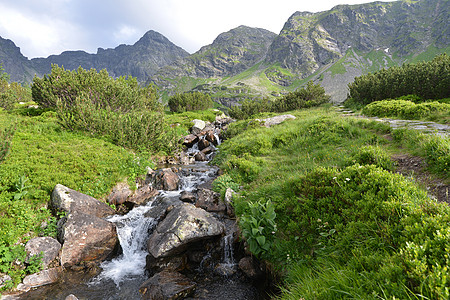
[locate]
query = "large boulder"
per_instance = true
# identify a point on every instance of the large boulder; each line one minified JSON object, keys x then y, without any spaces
{"x":163,"y":179}
{"x":49,"y":247}
{"x":67,"y":200}
{"x":183,"y":225}
{"x":87,"y":239}
{"x":167,"y":285}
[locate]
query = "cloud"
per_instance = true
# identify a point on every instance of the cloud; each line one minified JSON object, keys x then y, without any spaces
{"x":47,"y":27}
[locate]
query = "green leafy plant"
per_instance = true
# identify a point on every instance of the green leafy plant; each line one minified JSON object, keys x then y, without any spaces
{"x":372,"y":155}
{"x":259,"y":227}
{"x":190,"y":102}
{"x":223,"y":182}
{"x":21,"y":187}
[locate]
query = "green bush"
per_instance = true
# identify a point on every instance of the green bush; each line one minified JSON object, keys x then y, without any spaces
{"x":310,"y":96}
{"x":405,"y":109}
{"x":6,"y":136}
{"x":427,"y":80}
{"x":372,"y":155}
{"x":119,"y":95}
{"x":223,"y":182}
{"x":189,"y":102}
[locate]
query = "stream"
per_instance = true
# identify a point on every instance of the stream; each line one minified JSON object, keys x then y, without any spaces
{"x":122,"y":276}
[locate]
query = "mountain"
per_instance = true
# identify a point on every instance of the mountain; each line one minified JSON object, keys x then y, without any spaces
{"x":140,"y":60}
{"x":330,"y":47}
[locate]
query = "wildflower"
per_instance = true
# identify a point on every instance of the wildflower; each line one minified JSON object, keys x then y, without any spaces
{"x":348,"y":179}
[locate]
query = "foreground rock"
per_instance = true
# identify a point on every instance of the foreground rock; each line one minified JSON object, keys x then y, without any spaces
{"x":210,"y":201}
{"x":44,"y":277}
{"x":47,"y":246}
{"x":87,"y":239}
{"x":167,"y":285}
{"x":67,"y":200}
{"x":184,"y":224}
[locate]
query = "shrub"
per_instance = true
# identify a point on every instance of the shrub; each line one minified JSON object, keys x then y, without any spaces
{"x":121,"y":94}
{"x":405,"y":109}
{"x":6,"y":136}
{"x":312,"y":95}
{"x":223,"y":182}
{"x":189,"y":102}
{"x":427,"y":80}
{"x":372,"y":155}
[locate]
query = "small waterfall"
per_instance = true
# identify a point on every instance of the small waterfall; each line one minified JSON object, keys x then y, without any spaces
{"x":132,"y":230}
{"x":228,"y":253}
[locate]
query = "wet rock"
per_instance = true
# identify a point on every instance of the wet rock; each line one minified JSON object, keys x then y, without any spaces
{"x":186,"y":196}
{"x":210,"y":201}
{"x":203,"y":143}
{"x":44,"y":277}
{"x":48,"y":246}
{"x":250,"y":267}
{"x":190,"y":140}
{"x":167,"y":285}
{"x":142,"y":195}
{"x":223,"y":269}
{"x":174,"y":263}
{"x":207,"y":150}
{"x":183,"y":225}
{"x":163,"y":179}
{"x":67,"y":200}
{"x":210,"y":137}
{"x":161,"y":207}
{"x":200,"y":156}
{"x":198,"y":126}
{"x":119,"y":194}
{"x":87,"y":239}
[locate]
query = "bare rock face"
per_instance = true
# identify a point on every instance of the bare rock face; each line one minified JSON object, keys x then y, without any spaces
{"x":67,"y":200}
{"x":87,"y":239}
{"x":167,"y":285}
{"x":184,"y":224}
{"x":210,"y":201}
{"x":163,"y":179}
{"x":48,"y":246}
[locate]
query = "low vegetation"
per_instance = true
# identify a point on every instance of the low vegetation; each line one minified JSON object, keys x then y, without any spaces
{"x":310,"y":96}
{"x":344,"y":226}
{"x":190,"y":101}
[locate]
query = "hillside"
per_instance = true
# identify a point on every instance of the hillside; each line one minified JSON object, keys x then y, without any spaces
{"x":330,"y":47}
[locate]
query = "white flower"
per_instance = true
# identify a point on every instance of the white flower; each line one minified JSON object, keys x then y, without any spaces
{"x":348,"y":179}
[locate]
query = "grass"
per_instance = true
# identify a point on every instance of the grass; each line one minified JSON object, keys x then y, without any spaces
{"x":42,"y":155}
{"x":347,"y":227}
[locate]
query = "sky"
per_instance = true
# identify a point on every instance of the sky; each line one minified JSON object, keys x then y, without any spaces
{"x":45,"y":27}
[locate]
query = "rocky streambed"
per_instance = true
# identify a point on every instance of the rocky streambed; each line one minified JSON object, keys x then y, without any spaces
{"x":175,"y":238}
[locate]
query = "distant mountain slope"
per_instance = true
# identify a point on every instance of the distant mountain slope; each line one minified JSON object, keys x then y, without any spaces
{"x":330,"y":47}
{"x":140,"y":60}
{"x":14,"y":63}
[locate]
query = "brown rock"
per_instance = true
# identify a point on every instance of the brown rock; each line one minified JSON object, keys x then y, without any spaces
{"x":200,"y":156}
{"x":119,"y":194}
{"x":203,"y":143}
{"x":143,"y":195}
{"x":163,"y":179}
{"x":87,"y":239}
{"x":186,"y":196}
{"x":190,"y":140}
{"x":43,"y":278}
{"x":250,"y":267}
{"x":210,"y":137}
{"x":167,"y":285}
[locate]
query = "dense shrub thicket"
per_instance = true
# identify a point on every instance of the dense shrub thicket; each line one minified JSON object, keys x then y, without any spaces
{"x":190,"y":101}
{"x":312,"y":95}
{"x":119,"y":109}
{"x":11,"y":93}
{"x":405,"y":109}
{"x":428,"y":80}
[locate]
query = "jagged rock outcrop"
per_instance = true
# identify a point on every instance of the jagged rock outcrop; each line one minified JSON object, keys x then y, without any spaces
{"x":140,"y":60}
